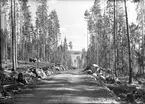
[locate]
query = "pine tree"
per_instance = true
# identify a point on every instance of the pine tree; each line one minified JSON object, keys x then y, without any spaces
{"x":0,"y":41}
{"x":13,"y":34}
{"x":42,"y":18}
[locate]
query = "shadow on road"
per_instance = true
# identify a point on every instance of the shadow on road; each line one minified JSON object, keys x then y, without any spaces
{"x":65,"y":89}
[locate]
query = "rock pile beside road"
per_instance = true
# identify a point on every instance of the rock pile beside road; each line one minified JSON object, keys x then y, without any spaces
{"x":134,"y":92}
{"x":12,"y":82}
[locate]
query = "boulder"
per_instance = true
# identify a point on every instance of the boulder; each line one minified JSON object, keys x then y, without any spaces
{"x":63,"y":68}
{"x":57,"y":68}
{"x":29,"y":74}
{"x":34,"y":71}
{"x":89,"y":72}
{"x":29,"y":80}
{"x":48,"y":73}
{"x":87,"y":68}
{"x":41,"y":73}
{"x":95,"y":75}
{"x":110,"y":80}
{"x":95,"y":65}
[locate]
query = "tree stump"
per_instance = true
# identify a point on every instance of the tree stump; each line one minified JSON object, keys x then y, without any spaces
{"x":21,"y":78}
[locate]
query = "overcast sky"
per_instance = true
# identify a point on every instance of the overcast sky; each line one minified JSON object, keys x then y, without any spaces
{"x":71,"y":17}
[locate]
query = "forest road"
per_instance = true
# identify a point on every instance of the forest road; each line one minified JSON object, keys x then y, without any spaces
{"x":69,"y":87}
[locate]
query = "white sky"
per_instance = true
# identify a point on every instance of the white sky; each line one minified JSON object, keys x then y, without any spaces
{"x":71,"y":17}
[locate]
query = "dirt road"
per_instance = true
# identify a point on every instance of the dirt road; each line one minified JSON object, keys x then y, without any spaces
{"x":65,"y":88}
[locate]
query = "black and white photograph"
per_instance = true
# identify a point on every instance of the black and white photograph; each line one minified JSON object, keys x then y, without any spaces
{"x":72,"y":51}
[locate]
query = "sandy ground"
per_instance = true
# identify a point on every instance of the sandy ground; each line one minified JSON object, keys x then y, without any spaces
{"x":70,"y":87}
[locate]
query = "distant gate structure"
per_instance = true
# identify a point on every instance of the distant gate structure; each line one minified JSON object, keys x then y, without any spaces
{"x":76,"y":59}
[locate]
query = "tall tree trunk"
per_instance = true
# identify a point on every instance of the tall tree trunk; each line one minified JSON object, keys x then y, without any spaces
{"x":143,"y":37}
{"x":95,"y":52}
{"x":23,"y":47}
{"x":13,"y":36}
{"x":6,"y":43}
{"x":114,"y":37}
{"x":6,"y":51}
{"x":21,"y":36}
{"x":26,"y":48}
{"x":56,"y":45}
{"x":109,"y":47}
{"x":15,"y":33}
{"x":43,"y":37}
{"x":117,"y":33}
{"x":117,"y":49}
{"x":43,"y":50}
{"x":128,"y":37}
{"x":122,"y":56}
{"x":97,"y":38}
{"x":109,"y":51}
{"x":37,"y":48}
{"x":1,"y":70}
{"x":87,"y":58}
{"x":11,"y":48}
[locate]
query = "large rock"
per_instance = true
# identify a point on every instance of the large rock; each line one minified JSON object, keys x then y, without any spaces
{"x":29,"y":74}
{"x":87,"y":68}
{"x":110,"y":80}
{"x":48,"y":72}
{"x":34,"y":71}
{"x":89,"y":72}
{"x":63,"y":68}
{"x":41,"y":73}
{"x":57,"y":68}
